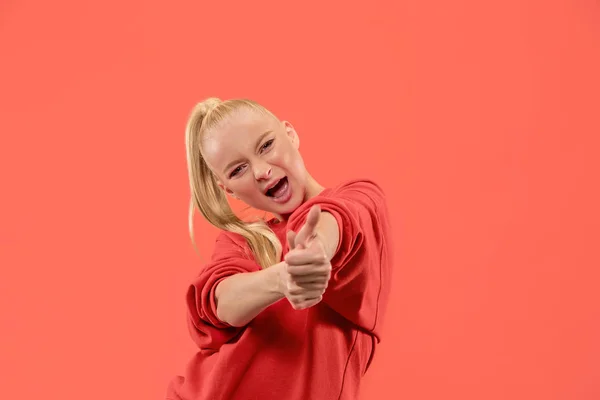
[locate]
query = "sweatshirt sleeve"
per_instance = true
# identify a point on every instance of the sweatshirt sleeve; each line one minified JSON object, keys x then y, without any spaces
{"x":361,"y":267}
{"x":206,"y":329}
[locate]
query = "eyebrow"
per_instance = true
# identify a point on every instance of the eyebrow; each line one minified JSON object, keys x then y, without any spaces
{"x":260,"y":139}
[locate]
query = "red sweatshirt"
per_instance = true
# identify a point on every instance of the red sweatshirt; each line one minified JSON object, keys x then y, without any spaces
{"x":319,"y":353}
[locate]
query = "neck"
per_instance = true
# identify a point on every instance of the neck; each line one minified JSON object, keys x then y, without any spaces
{"x":313,"y":188}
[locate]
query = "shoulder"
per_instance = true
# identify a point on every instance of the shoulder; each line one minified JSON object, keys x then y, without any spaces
{"x":356,"y":195}
{"x":231,"y":239}
{"x":227,"y":237}
{"x":360,"y":187}
{"x":228,"y":243}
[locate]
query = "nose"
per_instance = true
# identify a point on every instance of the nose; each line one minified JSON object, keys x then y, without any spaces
{"x":262,"y":171}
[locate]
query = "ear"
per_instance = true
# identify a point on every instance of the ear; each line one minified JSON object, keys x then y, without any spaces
{"x":226,"y":190}
{"x":291,"y":134}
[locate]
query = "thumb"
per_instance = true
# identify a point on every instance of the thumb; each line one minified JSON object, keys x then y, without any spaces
{"x":307,"y":232}
{"x":291,"y":237}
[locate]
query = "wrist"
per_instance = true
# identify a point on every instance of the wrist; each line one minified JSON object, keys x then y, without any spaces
{"x":275,"y":279}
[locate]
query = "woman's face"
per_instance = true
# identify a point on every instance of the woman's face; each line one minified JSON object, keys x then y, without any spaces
{"x":255,"y":157}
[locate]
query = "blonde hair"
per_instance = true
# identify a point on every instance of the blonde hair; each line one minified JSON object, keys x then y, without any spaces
{"x":208,"y":197}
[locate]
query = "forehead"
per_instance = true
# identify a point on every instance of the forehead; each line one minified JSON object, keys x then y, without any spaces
{"x":235,"y":136}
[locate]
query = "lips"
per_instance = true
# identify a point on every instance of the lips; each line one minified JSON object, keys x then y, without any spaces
{"x":271,"y":186}
{"x":280,"y":193}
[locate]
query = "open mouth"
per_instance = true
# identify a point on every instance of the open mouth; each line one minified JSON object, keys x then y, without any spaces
{"x":279,"y":189}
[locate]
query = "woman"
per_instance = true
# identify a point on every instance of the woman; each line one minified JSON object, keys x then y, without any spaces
{"x":288,"y":308}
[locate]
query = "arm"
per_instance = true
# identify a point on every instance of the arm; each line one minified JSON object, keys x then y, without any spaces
{"x":208,"y":326}
{"x":232,"y":289}
{"x":360,"y":250}
{"x":241,"y":297}
{"x":328,"y":231}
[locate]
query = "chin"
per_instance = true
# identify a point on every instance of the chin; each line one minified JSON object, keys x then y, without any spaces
{"x":291,"y":206}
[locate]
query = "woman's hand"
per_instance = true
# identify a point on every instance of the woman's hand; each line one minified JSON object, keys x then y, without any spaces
{"x":307,"y":268}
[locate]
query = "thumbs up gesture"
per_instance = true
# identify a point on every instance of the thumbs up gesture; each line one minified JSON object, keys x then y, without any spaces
{"x":308,"y":268}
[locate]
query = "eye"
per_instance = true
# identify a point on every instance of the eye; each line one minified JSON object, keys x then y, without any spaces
{"x":236,"y":171}
{"x":267,"y":145}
